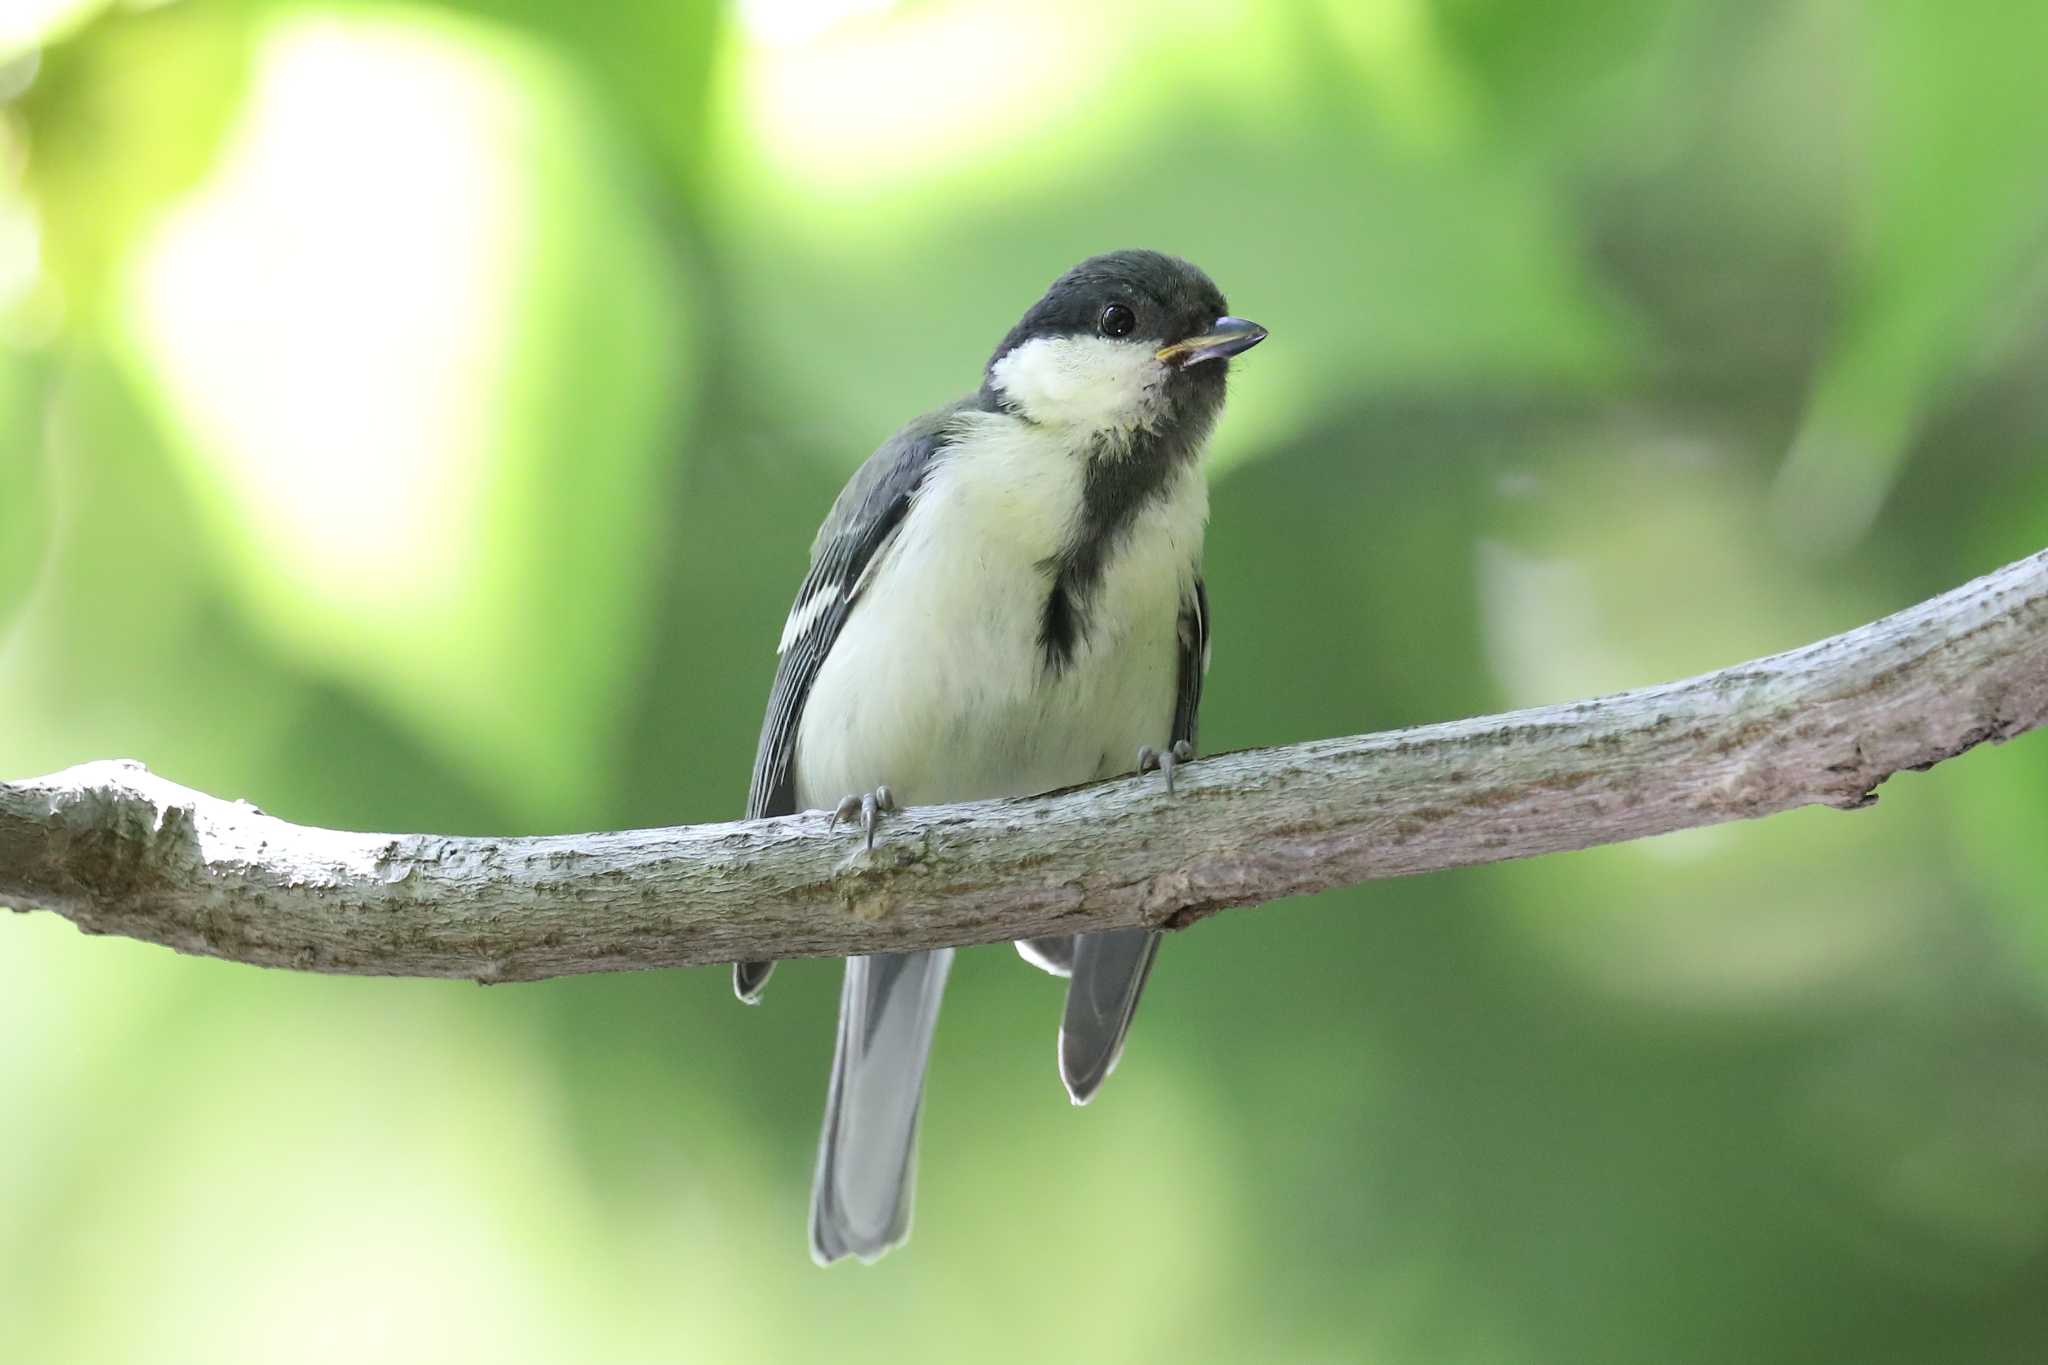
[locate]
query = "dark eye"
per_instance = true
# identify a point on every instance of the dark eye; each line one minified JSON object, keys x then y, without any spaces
{"x":1117,"y":321}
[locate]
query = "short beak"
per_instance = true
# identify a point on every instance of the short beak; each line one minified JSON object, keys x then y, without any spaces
{"x":1225,"y":338}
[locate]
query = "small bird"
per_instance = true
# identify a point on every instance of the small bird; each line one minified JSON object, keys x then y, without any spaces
{"x":1006,"y":598}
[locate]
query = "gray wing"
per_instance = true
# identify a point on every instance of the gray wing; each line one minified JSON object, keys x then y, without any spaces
{"x":1194,"y":663}
{"x":867,"y":513}
{"x":865,"y":516}
{"x":1108,"y":971}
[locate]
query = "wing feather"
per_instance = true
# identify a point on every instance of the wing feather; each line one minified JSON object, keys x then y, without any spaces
{"x":1194,"y":661}
{"x":865,"y":518}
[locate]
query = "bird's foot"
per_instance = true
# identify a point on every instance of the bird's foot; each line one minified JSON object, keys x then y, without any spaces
{"x":1166,"y":760}
{"x":867,"y":807}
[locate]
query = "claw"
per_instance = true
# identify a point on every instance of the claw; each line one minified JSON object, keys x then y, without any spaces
{"x":875,"y":804}
{"x":848,"y":807}
{"x":1151,"y":759}
{"x":868,"y":809}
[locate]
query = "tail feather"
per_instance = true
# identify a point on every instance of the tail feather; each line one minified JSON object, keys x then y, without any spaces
{"x":888,"y":1008}
{"x":748,"y":978}
{"x":1102,"y":997}
{"x":1054,"y":954}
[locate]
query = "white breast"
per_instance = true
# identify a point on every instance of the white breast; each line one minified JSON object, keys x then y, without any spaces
{"x":937,"y":685}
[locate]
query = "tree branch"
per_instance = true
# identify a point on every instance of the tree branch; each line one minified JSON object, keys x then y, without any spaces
{"x":120,"y":851}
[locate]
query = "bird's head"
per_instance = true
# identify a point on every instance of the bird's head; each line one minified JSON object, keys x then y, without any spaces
{"x":1123,"y":342}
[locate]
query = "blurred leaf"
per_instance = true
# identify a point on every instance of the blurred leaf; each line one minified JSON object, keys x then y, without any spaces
{"x":123,"y":117}
{"x":1377,"y":263}
{"x":122,"y":650}
{"x":26,"y":24}
{"x":423,"y":354}
{"x":1542,"y":63}
{"x":25,"y":509}
{"x":646,"y":63}
{"x":1950,"y":211}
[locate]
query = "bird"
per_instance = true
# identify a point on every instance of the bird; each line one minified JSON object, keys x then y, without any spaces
{"x":1006,"y":598}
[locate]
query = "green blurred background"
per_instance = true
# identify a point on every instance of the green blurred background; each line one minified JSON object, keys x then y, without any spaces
{"x":414,"y":416}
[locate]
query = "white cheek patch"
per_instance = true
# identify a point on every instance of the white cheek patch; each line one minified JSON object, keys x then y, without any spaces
{"x":1082,"y":381}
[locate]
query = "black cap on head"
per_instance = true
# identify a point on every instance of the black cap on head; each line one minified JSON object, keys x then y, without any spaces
{"x":1146,"y":295}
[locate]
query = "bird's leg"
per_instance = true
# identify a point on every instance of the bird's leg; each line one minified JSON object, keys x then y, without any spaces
{"x":1165,"y":761}
{"x":868,"y":807}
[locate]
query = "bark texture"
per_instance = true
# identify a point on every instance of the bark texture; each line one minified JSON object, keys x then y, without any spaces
{"x":120,"y":851}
